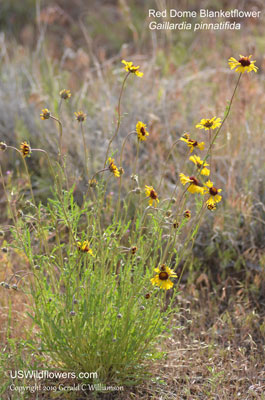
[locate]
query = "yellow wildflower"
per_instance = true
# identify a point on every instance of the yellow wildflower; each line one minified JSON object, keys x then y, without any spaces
{"x":85,"y":247}
{"x":162,"y":278}
{"x":200,"y":164}
{"x":141,"y":131}
{"x":213,"y":191}
{"x":92,"y":183}
{"x":209,"y":123}
{"x":132,"y":68}
{"x":187,"y":214}
{"x":151,"y":193}
{"x":45,"y":114}
{"x":65,"y":94}
{"x":25,"y":149}
{"x":211,"y":207}
{"x":133,"y":249}
{"x":192,"y":143}
{"x":113,"y":168}
{"x":194,"y":184}
{"x":243,"y":64}
{"x":80,"y":116}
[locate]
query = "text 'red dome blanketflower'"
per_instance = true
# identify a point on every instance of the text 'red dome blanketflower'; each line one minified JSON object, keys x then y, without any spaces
{"x":194,"y":184}
{"x":244,"y":64}
{"x":132,"y":68}
{"x":200,"y":164}
{"x":213,"y":191}
{"x":209,"y":123}
{"x":162,"y":278}
{"x":151,"y":193}
{"x":25,"y":149}
{"x":141,"y":131}
{"x":113,"y":168}
{"x":192,"y":143}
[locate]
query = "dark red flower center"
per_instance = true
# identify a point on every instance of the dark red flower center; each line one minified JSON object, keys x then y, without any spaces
{"x":163,"y":276}
{"x":208,"y":124}
{"x":194,"y":180}
{"x":193,"y":142}
{"x":153,"y":194}
{"x":187,"y":214}
{"x":244,"y":61}
{"x":213,"y":191}
{"x":142,"y":130}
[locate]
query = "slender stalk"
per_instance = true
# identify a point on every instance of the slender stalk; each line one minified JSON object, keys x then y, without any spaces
{"x":60,"y":138}
{"x":120,"y":182}
{"x":119,"y":119}
{"x":137,"y":157}
{"x":169,"y":153}
{"x":85,"y":149}
{"x":9,"y":205}
{"x":93,"y":177}
{"x":60,"y":105}
{"x":190,"y":233}
{"x":59,"y":191}
{"x":210,"y":147}
{"x":123,"y":145}
{"x":29,"y":181}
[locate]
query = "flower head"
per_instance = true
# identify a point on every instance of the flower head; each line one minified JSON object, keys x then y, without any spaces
{"x":192,"y":143}
{"x":25,"y":149}
{"x":132,"y":68}
{"x":187,"y":214}
{"x":45,"y":114}
{"x":84,"y":246}
{"x":121,"y":171}
{"x":194,"y":184}
{"x":200,"y":165}
{"x":162,"y":278}
{"x":113,"y":168}
{"x":243,"y":64}
{"x":80,"y":116}
{"x":141,"y":131}
{"x":133,"y":249}
{"x":65,"y":94}
{"x":209,"y":123}
{"x":213,"y":192}
{"x":3,"y":146}
{"x":151,"y":193}
{"x":211,"y":207}
{"x":92,"y":183}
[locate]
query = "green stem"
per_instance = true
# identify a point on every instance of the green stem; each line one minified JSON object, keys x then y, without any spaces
{"x":85,"y":149}
{"x":60,"y":137}
{"x":119,"y":119}
{"x":170,"y":151}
